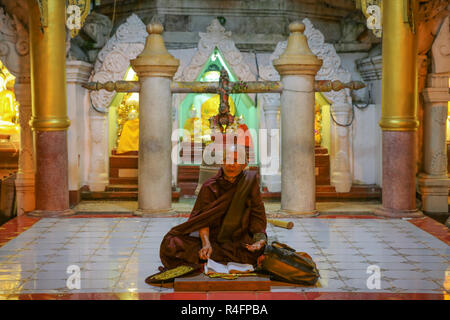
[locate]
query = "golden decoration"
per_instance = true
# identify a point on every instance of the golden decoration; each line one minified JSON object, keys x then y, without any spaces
{"x":230,"y":276}
{"x":399,"y":85}
{"x":128,"y":108}
{"x":43,"y":10}
{"x":9,"y":107}
{"x":48,"y":57}
{"x":317,"y":124}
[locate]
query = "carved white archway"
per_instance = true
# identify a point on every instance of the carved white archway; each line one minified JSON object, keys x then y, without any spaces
{"x":113,"y":60}
{"x":340,"y":102}
{"x":331,"y":67}
{"x":216,"y":36}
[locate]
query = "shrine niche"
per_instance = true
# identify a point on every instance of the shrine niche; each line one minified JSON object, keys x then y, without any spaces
{"x":128,"y":121}
{"x":9,"y":123}
{"x":195,"y":110}
{"x":9,"y":107}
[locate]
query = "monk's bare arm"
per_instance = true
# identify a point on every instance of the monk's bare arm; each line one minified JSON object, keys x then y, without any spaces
{"x":204,"y":235}
{"x":206,"y":250}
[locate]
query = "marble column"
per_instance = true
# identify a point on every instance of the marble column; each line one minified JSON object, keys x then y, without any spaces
{"x":49,"y":108}
{"x":155,"y":67}
{"x":25,"y":176}
{"x":77,"y":73}
{"x":98,"y":177}
{"x":271,"y":106}
{"x":399,"y":113}
{"x":297,"y":67}
{"x":434,"y":182}
{"x":341,"y":177}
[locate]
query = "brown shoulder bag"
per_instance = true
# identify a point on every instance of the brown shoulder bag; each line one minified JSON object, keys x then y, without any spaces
{"x":284,"y":264}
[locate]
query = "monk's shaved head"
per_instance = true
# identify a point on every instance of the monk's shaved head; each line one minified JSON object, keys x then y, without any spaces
{"x":235,"y":160}
{"x":233,"y":153}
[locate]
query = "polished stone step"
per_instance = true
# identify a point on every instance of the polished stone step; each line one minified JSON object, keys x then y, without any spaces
{"x":323,"y":193}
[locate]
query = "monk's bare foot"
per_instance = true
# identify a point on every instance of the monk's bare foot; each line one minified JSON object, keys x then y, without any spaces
{"x":162,"y":269}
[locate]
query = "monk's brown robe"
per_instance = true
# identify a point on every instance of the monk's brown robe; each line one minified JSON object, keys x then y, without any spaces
{"x":235,"y":215}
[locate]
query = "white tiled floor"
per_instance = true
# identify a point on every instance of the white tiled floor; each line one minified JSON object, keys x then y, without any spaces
{"x":117,"y":254}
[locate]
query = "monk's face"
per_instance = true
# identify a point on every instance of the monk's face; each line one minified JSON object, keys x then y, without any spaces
{"x":233,"y":168}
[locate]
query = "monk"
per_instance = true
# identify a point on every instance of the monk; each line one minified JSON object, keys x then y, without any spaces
{"x":227,"y":223}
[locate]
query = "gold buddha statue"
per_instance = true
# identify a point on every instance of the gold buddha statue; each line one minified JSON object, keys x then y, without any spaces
{"x":128,"y":124}
{"x":193,"y":125}
{"x":317,"y":125}
{"x":9,"y":107}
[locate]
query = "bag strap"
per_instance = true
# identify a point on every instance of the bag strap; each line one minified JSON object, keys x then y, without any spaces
{"x":277,"y":244}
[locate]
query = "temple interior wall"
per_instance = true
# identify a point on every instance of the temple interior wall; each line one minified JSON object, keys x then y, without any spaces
{"x":256,"y":28}
{"x":255,"y":24}
{"x":365,"y":133}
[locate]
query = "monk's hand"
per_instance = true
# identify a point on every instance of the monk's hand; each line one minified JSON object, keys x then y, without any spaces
{"x":256,"y":246}
{"x":205,"y":252}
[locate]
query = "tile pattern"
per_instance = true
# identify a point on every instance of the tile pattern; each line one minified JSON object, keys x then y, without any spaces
{"x":116,"y":254}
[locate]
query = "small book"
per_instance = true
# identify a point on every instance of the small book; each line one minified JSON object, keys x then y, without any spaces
{"x":212,"y":266}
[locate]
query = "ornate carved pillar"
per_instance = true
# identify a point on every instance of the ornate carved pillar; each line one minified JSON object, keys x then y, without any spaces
{"x":49,"y":120}
{"x":399,"y":111}
{"x":98,"y":177}
{"x":155,"y":67}
{"x":297,"y":67}
{"x":271,"y":106}
{"x":77,"y":72}
{"x":25,"y":176}
{"x":341,"y":176}
{"x":434,"y":181}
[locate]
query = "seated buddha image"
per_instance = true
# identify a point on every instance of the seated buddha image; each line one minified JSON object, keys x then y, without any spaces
{"x":128,"y":121}
{"x":8,"y":108}
{"x":317,"y":125}
{"x":193,"y":125}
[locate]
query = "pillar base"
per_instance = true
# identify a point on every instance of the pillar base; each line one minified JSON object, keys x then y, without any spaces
{"x":51,"y":214}
{"x":300,"y":214}
{"x":434,"y":190}
{"x":392,"y":213}
{"x":153,"y":212}
{"x":25,"y":193}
